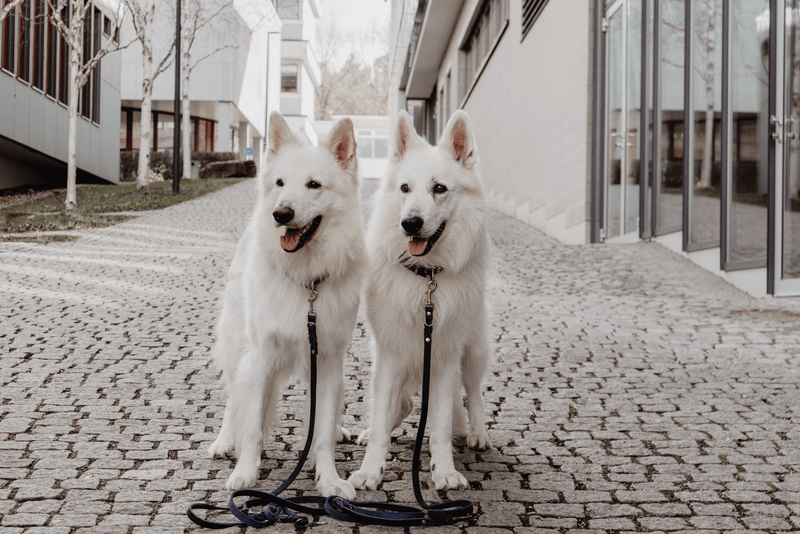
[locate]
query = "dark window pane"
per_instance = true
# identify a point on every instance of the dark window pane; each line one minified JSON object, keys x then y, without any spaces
{"x":52,"y":56}
{"x":24,"y":59}
{"x":9,"y":38}
{"x":39,"y":28}
{"x":289,"y":79}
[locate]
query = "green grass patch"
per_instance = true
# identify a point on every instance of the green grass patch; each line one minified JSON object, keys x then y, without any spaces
{"x":97,"y":205}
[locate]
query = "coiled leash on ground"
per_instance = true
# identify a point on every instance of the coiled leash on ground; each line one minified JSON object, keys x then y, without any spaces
{"x":370,"y":513}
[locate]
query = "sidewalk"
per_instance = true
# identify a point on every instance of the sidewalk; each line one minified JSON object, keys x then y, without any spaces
{"x":631,"y":390}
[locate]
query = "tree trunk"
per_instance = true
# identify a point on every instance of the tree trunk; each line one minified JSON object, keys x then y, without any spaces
{"x":145,"y":135}
{"x":708,"y":145}
{"x":72,"y":141}
{"x":145,"y":130}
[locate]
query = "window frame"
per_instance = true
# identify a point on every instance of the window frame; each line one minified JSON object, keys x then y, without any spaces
{"x":478,"y":45}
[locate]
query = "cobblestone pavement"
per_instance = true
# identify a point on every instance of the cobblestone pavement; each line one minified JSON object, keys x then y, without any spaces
{"x":632,"y":391}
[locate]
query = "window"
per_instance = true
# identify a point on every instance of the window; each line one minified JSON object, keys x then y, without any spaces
{"x":24,"y":60}
{"x":63,"y":56}
{"x":106,"y":26}
{"x":482,"y":38}
{"x":531,"y":9}
{"x":289,"y":79}
{"x":9,"y":38}
{"x":39,"y":29}
{"x":202,"y":135}
{"x":98,"y":17}
{"x":164,"y":131}
{"x":125,"y":129}
{"x":287,"y":9}
{"x":52,"y":56}
{"x":364,"y":147}
{"x":86,"y":90}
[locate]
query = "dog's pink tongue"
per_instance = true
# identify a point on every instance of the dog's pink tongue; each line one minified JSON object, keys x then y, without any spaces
{"x":417,"y":246}
{"x":291,"y":239}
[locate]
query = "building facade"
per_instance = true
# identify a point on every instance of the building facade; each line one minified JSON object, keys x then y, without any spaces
{"x":300,"y":72}
{"x":34,"y":86}
{"x":232,"y":90}
{"x":624,"y":120}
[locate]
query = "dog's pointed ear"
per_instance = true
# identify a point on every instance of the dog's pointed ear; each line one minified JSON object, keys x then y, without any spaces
{"x":342,"y":144}
{"x":280,"y":135}
{"x":458,"y":140}
{"x":405,"y":137}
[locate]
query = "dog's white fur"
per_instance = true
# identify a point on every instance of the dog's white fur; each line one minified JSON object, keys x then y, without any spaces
{"x":395,"y":298}
{"x":262,"y":339}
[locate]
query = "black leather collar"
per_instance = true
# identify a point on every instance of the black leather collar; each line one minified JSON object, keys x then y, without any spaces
{"x":423,"y":271}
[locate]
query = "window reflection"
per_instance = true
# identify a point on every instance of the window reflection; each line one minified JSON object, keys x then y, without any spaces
{"x":791,"y":178}
{"x":672,"y":29}
{"x":707,"y":121}
{"x":749,"y":92}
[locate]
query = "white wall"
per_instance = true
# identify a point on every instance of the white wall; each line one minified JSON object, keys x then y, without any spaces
{"x":529,"y":110}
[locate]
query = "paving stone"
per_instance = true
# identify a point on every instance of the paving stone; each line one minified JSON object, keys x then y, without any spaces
{"x":630,"y":390}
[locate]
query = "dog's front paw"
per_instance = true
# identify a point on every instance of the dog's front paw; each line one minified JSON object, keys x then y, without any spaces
{"x":242,"y":477}
{"x":366,"y":480}
{"x":220,"y":448}
{"x":479,"y":440}
{"x":363,"y":438}
{"x":342,"y":434}
{"x":451,"y":480}
{"x":336,"y":486}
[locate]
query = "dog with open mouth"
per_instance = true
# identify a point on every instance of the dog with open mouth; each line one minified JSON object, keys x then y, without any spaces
{"x":429,"y":218}
{"x":305,"y":233}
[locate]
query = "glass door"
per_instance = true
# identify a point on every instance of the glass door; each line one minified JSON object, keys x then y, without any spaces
{"x":623,"y":105}
{"x":785,"y":138}
{"x":615,"y":123}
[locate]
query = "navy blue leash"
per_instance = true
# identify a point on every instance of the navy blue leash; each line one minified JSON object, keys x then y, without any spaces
{"x":370,"y":513}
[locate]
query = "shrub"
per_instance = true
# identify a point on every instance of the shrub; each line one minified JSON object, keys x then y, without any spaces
{"x":161,"y":162}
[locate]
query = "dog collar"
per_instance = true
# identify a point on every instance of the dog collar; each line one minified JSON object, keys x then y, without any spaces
{"x":423,"y":271}
{"x":311,"y":285}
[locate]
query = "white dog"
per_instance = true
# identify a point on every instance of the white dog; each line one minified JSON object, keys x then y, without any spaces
{"x":306,"y":227}
{"x":428,"y":215}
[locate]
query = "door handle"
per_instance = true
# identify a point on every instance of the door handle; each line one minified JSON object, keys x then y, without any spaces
{"x":776,"y":121}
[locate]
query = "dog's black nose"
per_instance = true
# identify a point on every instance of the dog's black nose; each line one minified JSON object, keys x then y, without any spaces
{"x":283,"y":215}
{"x":412,"y":225}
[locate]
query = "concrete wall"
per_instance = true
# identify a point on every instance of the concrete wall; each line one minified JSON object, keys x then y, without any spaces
{"x":529,"y":109}
{"x":35,"y":128}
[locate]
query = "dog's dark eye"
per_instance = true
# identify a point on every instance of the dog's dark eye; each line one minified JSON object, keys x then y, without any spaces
{"x":404,"y":188}
{"x":439,"y":189}
{"x":279,"y":182}
{"x":313,"y":185}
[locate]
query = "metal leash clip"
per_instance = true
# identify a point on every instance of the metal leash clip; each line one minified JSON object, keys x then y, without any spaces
{"x":312,"y":298}
{"x":429,"y":304}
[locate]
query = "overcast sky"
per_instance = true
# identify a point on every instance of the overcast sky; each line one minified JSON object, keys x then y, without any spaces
{"x":358,"y":16}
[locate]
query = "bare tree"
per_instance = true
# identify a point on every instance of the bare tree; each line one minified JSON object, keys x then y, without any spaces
{"x":358,"y":86}
{"x":143,"y":17}
{"x":8,"y":8}
{"x":707,"y":38}
{"x":72,"y":19}
{"x":223,"y":24}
